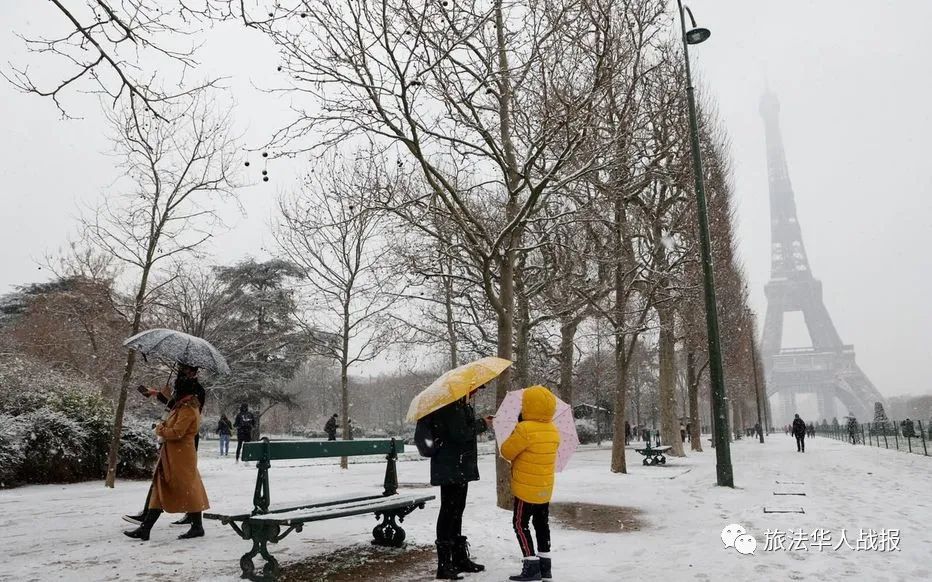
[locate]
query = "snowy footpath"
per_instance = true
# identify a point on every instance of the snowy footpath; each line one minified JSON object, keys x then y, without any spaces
{"x":880,"y":499}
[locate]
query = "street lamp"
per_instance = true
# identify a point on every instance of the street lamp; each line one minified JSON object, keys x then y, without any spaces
{"x":723,"y":470}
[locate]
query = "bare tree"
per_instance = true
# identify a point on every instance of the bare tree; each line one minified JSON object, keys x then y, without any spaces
{"x":338,"y":244}
{"x":177,"y":166}
{"x":114,"y":48}
{"x":476,"y":96}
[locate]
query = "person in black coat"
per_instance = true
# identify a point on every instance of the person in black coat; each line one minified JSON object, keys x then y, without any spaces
{"x":331,"y":427}
{"x":244,"y":423}
{"x":454,"y":462}
{"x":799,"y":431}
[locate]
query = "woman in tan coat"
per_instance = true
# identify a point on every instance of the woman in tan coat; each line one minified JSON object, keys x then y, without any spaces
{"x":177,"y":485}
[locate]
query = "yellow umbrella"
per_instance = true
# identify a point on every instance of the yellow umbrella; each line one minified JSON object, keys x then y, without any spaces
{"x":455,"y":384}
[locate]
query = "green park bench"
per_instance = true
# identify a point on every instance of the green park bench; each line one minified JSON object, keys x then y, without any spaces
{"x":654,"y":455}
{"x":264,"y":523}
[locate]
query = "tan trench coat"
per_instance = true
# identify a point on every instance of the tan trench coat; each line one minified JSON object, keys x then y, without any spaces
{"x":177,"y":485}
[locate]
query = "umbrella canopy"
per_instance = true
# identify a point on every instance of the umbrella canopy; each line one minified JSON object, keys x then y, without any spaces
{"x":174,"y":346}
{"x":455,"y":384}
{"x":506,"y":419}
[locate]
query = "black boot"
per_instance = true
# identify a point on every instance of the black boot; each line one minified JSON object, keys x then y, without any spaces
{"x":197,"y":527}
{"x":530,"y":571}
{"x":186,"y":520}
{"x":545,"y":573}
{"x":136,"y":519}
{"x":142,"y":532}
{"x":445,"y":569}
{"x":461,"y":561}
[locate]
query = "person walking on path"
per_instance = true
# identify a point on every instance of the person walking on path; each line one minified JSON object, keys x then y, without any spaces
{"x":331,"y":428}
{"x":244,"y":424}
{"x":185,"y":382}
{"x":799,"y":431}
{"x":448,"y":437}
{"x":177,"y":485}
{"x":224,"y":429}
{"x":532,"y":451}
{"x":853,"y":430}
{"x":627,"y":433}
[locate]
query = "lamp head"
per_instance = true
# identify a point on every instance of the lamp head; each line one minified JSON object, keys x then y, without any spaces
{"x":697,"y":35}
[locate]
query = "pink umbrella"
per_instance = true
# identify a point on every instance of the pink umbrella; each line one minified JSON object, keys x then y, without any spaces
{"x":506,"y":419}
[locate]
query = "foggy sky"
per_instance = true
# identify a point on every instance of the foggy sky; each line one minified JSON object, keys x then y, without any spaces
{"x":853,"y":80}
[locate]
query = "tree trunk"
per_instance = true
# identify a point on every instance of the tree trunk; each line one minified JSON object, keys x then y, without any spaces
{"x":619,"y":464}
{"x":669,"y":425}
{"x":522,"y":323}
{"x":505,"y":336}
{"x":567,"y":338}
{"x":113,"y":456}
{"x":695,"y":430}
{"x":344,"y":380}
{"x":451,"y":327}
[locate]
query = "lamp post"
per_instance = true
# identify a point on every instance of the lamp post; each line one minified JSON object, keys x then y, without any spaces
{"x":723,"y":470}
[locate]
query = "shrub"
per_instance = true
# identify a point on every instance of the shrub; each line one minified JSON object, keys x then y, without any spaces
{"x":586,"y":430}
{"x":58,"y":429}
{"x":11,"y":450}
{"x":54,"y":447}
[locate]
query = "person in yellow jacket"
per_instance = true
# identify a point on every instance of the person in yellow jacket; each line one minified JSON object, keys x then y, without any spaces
{"x":532,"y":451}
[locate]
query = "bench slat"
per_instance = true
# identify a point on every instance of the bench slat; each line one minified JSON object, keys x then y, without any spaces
{"x":287,"y":450}
{"x":291,"y":507}
{"x":342,"y":510}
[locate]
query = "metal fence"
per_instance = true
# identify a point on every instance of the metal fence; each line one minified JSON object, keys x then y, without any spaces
{"x":908,"y":436}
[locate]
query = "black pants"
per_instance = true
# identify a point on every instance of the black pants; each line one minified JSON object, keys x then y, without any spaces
{"x":801,"y":443}
{"x":539,"y":514}
{"x":239,"y":445}
{"x":452,"y":505}
{"x":331,"y":436}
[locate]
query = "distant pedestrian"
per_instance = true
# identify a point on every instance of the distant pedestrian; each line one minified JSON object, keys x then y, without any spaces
{"x":224,"y":429}
{"x":799,"y":431}
{"x":909,"y":430}
{"x":758,"y":431}
{"x":689,"y":431}
{"x":349,"y":429}
{"x":331,"y":428}
{"x":627,"y":432}
{"x":853,"y":430}
{"x":683,"y":432}
{"x":245,"y":424}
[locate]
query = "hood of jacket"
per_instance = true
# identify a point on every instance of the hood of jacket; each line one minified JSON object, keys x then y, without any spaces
{"x":538,"y":404}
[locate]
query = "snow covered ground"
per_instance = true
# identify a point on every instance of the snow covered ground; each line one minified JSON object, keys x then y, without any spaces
{"x":72,"y":532}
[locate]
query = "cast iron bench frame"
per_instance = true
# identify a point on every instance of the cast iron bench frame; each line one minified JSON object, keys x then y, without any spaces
{"x":654,"y":455}
{"x":263,"y":525}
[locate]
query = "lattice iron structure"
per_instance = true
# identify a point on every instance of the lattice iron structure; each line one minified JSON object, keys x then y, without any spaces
{"x":827,"y":369}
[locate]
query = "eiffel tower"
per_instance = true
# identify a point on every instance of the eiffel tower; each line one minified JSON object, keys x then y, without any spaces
{"x":827,"y":369}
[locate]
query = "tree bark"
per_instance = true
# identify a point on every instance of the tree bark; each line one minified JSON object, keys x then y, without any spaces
{"x":113,"y":455}
{"x":567,"y":352}
{"x":695,"y":432}
{"x":619,"y":464}
{"x":669,"y":425}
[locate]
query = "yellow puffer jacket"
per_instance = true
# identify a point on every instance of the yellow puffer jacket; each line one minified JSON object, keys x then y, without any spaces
{"x":532,"y":447}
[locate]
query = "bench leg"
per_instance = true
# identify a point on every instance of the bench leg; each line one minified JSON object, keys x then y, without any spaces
{"x":389,"y":533}
{"x":260,"y":536}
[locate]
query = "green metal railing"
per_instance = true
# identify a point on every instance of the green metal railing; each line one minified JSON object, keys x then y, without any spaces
{"x":906,"y":436}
